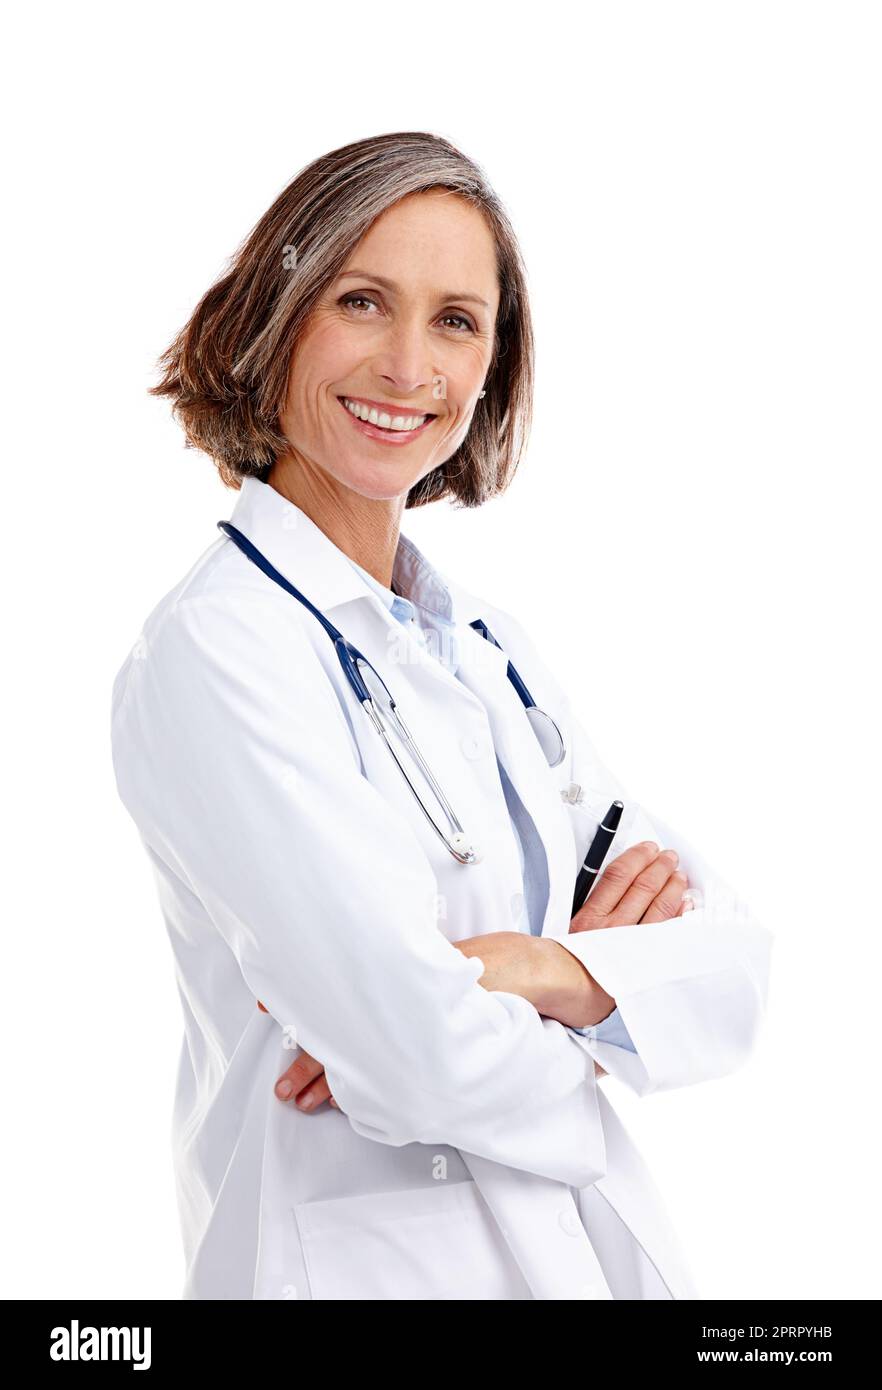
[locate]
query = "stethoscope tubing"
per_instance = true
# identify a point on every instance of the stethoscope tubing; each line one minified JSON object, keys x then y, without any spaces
{"x":349,"y":657}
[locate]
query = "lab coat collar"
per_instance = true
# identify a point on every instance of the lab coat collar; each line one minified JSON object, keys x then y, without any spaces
{"x":313,"y":563}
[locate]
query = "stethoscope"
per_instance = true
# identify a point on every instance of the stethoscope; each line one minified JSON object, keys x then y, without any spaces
{"x":374,"y":696}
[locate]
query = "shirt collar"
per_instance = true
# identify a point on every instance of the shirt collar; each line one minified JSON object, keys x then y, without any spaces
{"x":313,"y":563}
{"x":385,"y":595}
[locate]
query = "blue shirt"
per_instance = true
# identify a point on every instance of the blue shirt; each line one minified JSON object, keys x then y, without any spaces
{"x":534,"y":867}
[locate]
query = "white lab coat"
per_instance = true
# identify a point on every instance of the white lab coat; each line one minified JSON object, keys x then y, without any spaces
{"x":475,"y":1155}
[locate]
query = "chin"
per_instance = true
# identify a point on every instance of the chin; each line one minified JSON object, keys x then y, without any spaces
{"x":380,"y":489}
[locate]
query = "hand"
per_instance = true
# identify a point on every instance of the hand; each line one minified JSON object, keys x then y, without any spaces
{"x":305,"y":1083}
{"x":641,"y":885}
{"x":305,"y":1079}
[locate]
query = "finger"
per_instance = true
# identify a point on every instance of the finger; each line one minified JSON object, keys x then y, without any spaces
{"x":645,"y":887}
{"x":301,"y":1071}
{"x":669,"y":901}
{"x":617,"y":878}
{"x":314,"y":1095}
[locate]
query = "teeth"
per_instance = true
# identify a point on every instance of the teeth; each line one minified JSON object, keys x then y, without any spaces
{"x":385,"y":422}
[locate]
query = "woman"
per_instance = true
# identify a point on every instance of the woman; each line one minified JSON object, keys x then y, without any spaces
{"x":439,"y":1131}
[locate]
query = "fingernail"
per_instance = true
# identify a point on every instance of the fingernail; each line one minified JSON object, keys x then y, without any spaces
{"x":688,"y":904}
{"x":284,"y":1089}
{"x":306,"y":1101}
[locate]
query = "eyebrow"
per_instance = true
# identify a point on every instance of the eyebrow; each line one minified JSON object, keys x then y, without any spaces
{"x":391,"y":285}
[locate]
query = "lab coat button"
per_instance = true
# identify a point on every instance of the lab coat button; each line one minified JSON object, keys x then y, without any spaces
{"x":569,"y":1222}
{"x":473,"y":746}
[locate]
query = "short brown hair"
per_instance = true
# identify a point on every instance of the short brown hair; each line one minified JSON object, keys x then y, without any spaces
{"x":226,"y":371}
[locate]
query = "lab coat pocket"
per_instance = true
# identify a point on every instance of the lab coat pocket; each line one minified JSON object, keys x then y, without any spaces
{"x":438,"y":1242}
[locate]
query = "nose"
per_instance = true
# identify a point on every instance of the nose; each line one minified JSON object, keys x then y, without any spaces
{"x":405,"y":361}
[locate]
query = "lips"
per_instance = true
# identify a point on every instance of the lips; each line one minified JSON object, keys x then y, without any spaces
{"x":409,"y":427}
{"x":387,"y":416}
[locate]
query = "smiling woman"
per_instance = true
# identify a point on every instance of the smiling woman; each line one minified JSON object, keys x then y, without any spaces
{"x":409,"y":336}
{"x":439,"y":1132}
{"x":333,"y":292}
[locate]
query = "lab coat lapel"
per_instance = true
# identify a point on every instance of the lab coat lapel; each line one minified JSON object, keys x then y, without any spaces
{"x":484,"y":670}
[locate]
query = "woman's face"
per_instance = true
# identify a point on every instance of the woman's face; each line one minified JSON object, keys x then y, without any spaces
{"x":406,"y":329}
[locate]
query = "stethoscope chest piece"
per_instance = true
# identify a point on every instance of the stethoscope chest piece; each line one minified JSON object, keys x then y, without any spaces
{"x":548,"y":735}
{"x":550,"y":738}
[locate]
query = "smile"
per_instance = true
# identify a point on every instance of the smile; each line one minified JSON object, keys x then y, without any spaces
{"x":381,"y":424}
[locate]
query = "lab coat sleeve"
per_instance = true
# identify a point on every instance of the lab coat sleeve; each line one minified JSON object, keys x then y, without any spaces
{"x":691,"y":991}
{"x":234,"y":757}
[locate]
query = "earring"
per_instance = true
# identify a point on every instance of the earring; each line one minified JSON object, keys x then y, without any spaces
{"x":482,"y":393}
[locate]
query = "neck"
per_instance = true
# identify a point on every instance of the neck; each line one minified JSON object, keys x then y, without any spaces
{"x":364,"y":528}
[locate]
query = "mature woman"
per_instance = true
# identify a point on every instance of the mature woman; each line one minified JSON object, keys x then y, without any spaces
{"x":389,"y":1086}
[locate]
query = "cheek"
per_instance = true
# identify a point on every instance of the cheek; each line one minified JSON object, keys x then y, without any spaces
{"x":332,"y":350}
{"x":320,"y":360}
{"x":458,"y":420}
{"x":463,"y":377}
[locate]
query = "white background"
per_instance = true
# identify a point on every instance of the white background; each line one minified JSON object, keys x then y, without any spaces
{"x":691,"y":539}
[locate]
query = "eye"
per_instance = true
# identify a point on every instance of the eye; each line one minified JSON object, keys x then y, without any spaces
{"x":460,"y":318}
{"x":349,"y":299}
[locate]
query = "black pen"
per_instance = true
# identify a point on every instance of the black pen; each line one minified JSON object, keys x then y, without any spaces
{"x":596,"y":854}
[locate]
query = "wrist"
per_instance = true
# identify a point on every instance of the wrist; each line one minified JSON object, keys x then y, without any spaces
{"x":566,"y":989}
